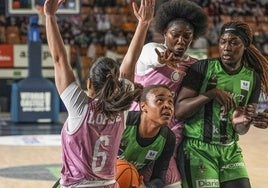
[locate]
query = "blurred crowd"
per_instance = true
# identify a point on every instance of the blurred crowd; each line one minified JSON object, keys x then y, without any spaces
{"x":106,"y":27}
{"x":110,"y":23}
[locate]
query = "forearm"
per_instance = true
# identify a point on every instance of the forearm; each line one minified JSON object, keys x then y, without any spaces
{"x":189,"y":106}
{"x":54,"y":39}
{"x":158,"y":177}
{"x":127,"y":68}
{"x":63,"y":70}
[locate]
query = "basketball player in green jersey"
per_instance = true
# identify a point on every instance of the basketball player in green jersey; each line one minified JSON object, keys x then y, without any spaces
{"x":218,"y":101}
{"x":147,"y":142}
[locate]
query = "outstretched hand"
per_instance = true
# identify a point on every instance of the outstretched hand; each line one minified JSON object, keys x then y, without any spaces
{"x":170,"y":60}
{"x":146,"y":11}
{"x":261,"y":119}
{"x":51,"y":6}
{"x":243,"y":117}
{"x":244,"y":114}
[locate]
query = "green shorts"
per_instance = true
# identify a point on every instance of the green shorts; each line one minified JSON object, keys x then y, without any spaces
{"x":204,"y":165}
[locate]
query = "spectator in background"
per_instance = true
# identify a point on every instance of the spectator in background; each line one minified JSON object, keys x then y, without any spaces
{"x":109,"y":38}
{"x":120,"y":38}
{"x":103,"y":21}
{"x":200,"y":43}
{"x":111,"y":52}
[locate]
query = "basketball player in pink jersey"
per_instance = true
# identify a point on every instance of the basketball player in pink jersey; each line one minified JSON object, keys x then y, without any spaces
{"x":91,"y":134}
{"x":180,"y":22}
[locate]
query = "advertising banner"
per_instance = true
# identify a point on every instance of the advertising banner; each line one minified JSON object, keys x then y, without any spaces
{"x":6,"y":56}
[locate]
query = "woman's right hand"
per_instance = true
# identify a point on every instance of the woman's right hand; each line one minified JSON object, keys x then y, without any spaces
{"x":51,"y":6}
{"x":145,"y":12}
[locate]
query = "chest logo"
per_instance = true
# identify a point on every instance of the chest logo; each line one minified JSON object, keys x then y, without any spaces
{"x":151,"y":155}
{"x":245,"y":85}
{"x":175,"y":76}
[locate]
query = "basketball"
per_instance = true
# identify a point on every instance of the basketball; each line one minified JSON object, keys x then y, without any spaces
{"x":127,"y":174}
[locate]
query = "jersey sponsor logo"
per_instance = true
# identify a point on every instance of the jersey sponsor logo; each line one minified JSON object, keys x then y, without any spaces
{"x":202,"y":168}
{"x":238,"y":97}
{"x":245,"y":85}
{"x":215,"y":130}
{"x":175,"y":76}
{"x":151,"y":155}
{"x":206,"y":183}
{"x":233,"y":166}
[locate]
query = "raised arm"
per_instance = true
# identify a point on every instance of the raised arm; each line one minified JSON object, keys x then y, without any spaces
{"x":144,"y":15}
{"x":63,"y":70}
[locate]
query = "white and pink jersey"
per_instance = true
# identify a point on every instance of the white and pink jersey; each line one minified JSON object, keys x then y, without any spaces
{"x":149,"y":71}
{"x":90,"y":141}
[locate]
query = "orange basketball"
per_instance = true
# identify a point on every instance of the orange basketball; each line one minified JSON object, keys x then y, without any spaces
{"x":126,"y":175}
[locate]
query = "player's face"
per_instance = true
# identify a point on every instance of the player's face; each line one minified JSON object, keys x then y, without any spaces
{"x":178,"y":37}
{"x":159,"y":106}
{"x":231,"y":50}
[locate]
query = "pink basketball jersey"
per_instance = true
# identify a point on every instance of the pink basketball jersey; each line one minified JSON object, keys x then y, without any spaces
{"x":90,"y":153}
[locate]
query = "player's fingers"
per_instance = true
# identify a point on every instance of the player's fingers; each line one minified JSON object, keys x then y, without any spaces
{"x":141,"y":181}
{"x":169,"y":57}
{"x":60,"y":2}
{"x":158,"y":52}
{"x":135,"y":8}
{"x":251,"y":110}
{"x":144,"y":2}
{"x":233,"y":103}
{"x":260,"y":125}
{"x":178,"y":70}
{"x":166,"y":54}
{"x":182,"y":73}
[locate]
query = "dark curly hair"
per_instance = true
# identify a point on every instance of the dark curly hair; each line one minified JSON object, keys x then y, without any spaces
{"x":181,"y":9}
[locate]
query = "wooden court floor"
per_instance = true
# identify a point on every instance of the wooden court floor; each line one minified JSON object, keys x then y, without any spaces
{"x":254,"y":145}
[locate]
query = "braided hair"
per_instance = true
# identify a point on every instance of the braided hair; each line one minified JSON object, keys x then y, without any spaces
{"x":252,"y":57}
{"x":185,"y":10}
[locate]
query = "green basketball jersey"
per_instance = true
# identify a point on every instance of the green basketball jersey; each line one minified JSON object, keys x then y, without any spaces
{"x":209,"y":124}
{"x":135,"y":153}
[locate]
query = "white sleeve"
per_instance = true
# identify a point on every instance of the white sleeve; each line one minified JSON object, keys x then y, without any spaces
{"x":76,"y":101}
{"x":148,"y":58}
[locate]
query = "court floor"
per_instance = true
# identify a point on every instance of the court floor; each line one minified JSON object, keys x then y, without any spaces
{"x":31,"y":158}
